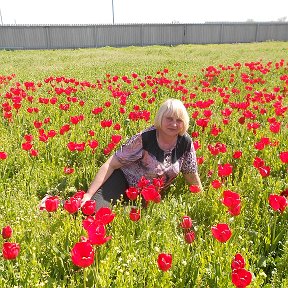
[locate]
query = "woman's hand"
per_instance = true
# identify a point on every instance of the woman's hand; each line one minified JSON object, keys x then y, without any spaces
{"x":85,"y":198}
{"x":193,"y":179}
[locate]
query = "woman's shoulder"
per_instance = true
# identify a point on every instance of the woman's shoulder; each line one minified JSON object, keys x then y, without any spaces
{"x":148,"y":129}
{"x":149,"y":136}
{"x":186,"y":139}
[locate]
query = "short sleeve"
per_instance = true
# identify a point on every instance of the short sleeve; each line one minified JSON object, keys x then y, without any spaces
{"x":190,"y":161}
{"x":130,"y":151}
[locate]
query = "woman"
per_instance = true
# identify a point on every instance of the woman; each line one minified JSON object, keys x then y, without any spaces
{"x":162,"y":150}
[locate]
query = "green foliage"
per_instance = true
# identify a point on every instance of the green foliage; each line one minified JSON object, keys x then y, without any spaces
{"x":129,"y":259}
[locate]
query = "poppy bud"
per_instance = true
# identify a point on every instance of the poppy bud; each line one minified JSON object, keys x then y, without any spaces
{"x":164,"y":261}
{"x":7,"y":232}
{"x":134,"y":214}
{"x":189,"y":237}
{"x":10,"y":250}
{"x":186,"y":222}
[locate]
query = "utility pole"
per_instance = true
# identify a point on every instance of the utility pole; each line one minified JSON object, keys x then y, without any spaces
{"x":113,"y":11}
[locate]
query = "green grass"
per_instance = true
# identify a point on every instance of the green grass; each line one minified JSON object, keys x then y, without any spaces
{"x":129,"y":259}
{"x":89,"y":64}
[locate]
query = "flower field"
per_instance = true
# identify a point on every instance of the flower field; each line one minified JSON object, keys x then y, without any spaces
{"x":59,"y":124}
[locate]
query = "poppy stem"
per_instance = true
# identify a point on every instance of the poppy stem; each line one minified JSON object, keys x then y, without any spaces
{"x":30,"y":178}
{"x":96,"y":261}
{"x":84,"y":278}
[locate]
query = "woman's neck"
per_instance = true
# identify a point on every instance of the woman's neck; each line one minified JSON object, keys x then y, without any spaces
{"x":165,"y":142}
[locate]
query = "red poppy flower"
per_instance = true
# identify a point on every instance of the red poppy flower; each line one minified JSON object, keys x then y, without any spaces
{"x":107,"y":151}
{"x":38,"y":124}
{"x":3,"y":155}
{"x":53,"y":100}
{"x":241,"y":278}
{"x":134,"y":214}
{"x":264,"y":171}
{"x":72,"y":205}
{"x":68,"y":170}
{"x":158,"y":182}
{"x":150,"y":193}
{"x":164,"y":261}
{"x":51,"y":133}
{"x":200,"y":160}
{"x":202,"y":122}
{"x":87,"y":222}
{"x":195,"y":134}
{"x":189,"y":237}
{"x":195,"y":114}
{"x":235,"y":210}
{"x":275,"y":127}
{"x":104,"y":215}
{"x":241,"y":120}
{"x":43,"y":137}
{"x":194,"y":189}
{"x":47,"y":120}
{"x":65,"y":128}
{"x":221,"y":232}
{"x":237,"y":262}
{"x":277,"y":202}
{"x":143,"y":182}
{"x":106,"y":123}
{"x":258,"y":162}
{"x":216,"y":184}
{"x":196,"y":145}
{"x":225,"y":170}
{"x":186,"y":222}
{"x":7,"y":232}
{"x":26,"y":146}
{"x":8,"y":115}
{"x":74,"y":120}
{"x":91,"y":133}
{"x":284,"y":156}
{"x":122,"y":110}
{"x":230,"y":198}
{"x":132,"y":193}
{"x":117,"y":127}
{"x":82,"y":254}
{"x":97,"y":233}
{"x":28,"y":137}
{"x":93,"y":143}
{"x":10,"y":250}
{"x":34,"y":152}
{"x":64,"y":107}
{"x":116,"y":138}
{"x":89,"y":207}
{"x":214,"y":130}
{"x":79,"y":194}
{"x":52,"y":203}
{"x":237,"y":154}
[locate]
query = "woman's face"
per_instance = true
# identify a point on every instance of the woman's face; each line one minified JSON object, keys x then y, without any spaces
{"x":172,"y":125}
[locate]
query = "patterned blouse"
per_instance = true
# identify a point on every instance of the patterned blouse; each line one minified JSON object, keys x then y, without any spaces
{"x":142,"y":156}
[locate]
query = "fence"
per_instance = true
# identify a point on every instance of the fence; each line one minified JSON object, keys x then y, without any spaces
{"x":88,"y":36}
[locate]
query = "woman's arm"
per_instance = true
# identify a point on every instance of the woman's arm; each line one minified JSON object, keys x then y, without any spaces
{"x":103,"y":174}
{"x":193,"y":179}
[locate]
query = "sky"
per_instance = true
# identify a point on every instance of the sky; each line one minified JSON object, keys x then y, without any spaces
{"x":139,"y":11}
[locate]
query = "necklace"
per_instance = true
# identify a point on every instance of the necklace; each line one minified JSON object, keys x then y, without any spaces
{"x":167,"y":159}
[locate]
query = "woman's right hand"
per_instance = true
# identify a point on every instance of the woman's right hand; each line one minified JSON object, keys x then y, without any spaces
{"x":85,"y":198}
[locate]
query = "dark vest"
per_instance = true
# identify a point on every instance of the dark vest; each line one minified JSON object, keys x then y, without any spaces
{"x":150,"y":144}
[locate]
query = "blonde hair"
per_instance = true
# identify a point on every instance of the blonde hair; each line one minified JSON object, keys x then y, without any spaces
{"x":172,"y":107}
